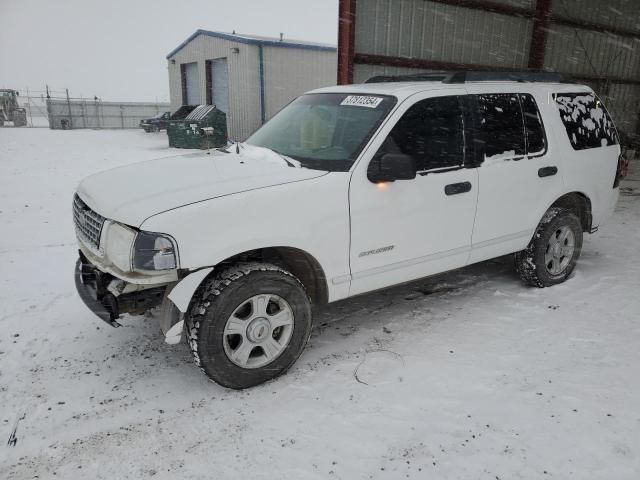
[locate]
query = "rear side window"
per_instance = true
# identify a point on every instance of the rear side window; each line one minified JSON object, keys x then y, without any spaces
{"x":586,"y":120}
{"x":431,"y":131}
{"x":534,"y":129}
{"x":501,"y":125}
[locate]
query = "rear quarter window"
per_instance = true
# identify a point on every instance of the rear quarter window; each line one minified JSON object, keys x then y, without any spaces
{"x":586,"y":121}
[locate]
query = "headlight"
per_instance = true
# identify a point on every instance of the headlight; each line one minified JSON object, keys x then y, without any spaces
{"x":117,"y":245}
{"x":153,"y":251}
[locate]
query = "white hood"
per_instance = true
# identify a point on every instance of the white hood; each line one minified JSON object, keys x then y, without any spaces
{"x":133,"y":193}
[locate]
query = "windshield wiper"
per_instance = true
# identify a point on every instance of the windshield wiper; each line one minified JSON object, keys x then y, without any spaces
{"x":237,"y":146}
{"x":292,"y":162}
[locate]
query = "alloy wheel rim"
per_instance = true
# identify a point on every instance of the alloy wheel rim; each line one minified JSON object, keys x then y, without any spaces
{"x":258,"y":331}
{"x":560,"y":250}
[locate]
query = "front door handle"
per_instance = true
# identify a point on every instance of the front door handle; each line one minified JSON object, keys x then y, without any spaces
{"x":457,"y":188}
{"x":547,"y":171}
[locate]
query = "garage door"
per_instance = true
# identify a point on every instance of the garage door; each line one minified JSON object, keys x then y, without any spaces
{"x":191,"y":84}
{"x":220,"y":84}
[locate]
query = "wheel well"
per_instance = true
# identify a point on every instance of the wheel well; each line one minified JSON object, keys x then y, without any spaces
{"x":301,"y":264}
{"x":579,"y":204}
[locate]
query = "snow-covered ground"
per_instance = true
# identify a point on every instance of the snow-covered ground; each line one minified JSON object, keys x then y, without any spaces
{"x":467,"y":376}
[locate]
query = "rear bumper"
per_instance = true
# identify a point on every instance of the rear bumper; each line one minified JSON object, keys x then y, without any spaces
{"x":93,"y":287}
{"x":607,"y":207}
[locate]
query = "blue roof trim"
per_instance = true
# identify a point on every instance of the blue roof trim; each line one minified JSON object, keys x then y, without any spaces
{"x":252,"y":41}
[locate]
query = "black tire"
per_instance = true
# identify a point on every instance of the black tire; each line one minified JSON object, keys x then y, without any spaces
{"x":531,"y":264}
{"x":147,"y":129}
{"x":217,"y":299}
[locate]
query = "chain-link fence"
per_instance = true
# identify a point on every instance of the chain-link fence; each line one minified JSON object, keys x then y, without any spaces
{"x":56,"y":109}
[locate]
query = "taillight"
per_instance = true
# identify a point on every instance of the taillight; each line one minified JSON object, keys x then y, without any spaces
{"x":621,"y":170}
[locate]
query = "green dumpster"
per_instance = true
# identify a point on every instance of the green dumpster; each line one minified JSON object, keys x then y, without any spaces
{"x":197,"y":126}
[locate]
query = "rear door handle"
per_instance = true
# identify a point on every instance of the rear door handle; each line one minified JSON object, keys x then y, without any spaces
{"x":547,"y":171}
{"x":457,"y":188}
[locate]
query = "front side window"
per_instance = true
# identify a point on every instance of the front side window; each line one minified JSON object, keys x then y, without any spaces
{"x":586,"y":121}
{"x":324,"y":131}
{"x":501,"y":126}
{"x":431,"y":131}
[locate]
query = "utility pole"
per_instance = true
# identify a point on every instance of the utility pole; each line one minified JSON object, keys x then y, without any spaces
{"x":70,"y":115}
{"x":29,"y":106}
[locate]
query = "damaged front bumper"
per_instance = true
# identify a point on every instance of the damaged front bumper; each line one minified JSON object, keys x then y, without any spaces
{"x":109,"y":297}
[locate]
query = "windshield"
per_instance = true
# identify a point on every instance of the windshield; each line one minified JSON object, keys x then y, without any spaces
{"x":324,"y":131}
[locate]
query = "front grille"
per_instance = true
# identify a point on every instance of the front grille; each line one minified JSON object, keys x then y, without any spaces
{"x":88,"y":223}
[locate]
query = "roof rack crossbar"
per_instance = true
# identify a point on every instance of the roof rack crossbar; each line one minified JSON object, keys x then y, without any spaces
{"x":472,"y":76}
{"x":415,"y":77}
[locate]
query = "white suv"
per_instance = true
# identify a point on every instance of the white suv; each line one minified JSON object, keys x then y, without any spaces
{"x":348,"y":189}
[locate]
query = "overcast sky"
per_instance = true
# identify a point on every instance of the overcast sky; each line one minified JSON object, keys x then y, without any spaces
{"x":116,"y":49}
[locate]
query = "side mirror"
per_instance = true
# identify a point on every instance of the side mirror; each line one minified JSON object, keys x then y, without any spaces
{"x":391,"y":167}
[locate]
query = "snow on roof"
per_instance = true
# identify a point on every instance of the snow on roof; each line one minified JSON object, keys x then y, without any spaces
{"x":256,"y":40}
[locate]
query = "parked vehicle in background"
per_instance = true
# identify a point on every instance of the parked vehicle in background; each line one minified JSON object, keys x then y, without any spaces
{"x":347,"y":190}
{"x":155,"y":123}
{"x":10,"y":110}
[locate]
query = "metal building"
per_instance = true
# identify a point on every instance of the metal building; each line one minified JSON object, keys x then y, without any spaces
{"x":593,"y":41}
{"x":250,"y":78}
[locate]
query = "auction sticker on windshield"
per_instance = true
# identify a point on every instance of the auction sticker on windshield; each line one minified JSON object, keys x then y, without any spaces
{"x":362,"y":101}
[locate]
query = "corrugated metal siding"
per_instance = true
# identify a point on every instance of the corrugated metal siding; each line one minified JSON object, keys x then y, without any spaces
{"x":289,"y":73}
{"x":244,"y":80}
{"x":436,"y":31}
{"x":428,"y":30}
{"x":623,"y":102}
{"x":624,"y":14}
{"x":578,"y":51}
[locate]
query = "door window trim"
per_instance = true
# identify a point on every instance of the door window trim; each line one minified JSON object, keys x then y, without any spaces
{"x":477,"y":157}
{"x":463,"y":109}
{"x":526,"y":136}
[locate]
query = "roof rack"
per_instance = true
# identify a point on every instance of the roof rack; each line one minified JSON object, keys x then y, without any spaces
{"x":417,"y":77}
{"x":471,"y":76}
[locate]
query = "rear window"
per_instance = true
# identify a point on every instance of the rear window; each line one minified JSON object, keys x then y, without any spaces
{"x":586,"y":120}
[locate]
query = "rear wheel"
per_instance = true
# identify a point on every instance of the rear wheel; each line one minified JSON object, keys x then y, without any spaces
{"x":553,"y":251}
{"x":248,"y":324}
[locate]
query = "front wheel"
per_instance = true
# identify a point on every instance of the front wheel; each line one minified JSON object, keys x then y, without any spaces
{"x":248,"y":324}
{"x":553,"y":251}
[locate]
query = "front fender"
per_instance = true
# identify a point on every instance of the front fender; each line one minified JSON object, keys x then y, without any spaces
{"x":177,"y":303}
{"x":183,"y":292}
